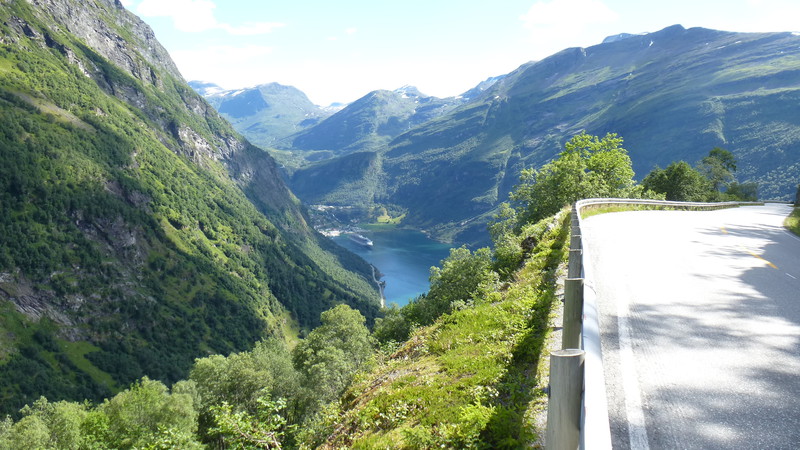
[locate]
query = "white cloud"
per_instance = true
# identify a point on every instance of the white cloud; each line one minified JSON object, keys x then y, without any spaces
{"x":194,"y":16}
{"x":226,"y":65}
{"x":557,"y":24}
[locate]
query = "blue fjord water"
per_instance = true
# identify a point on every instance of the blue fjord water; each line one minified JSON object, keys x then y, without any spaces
{"x":404,"y":257}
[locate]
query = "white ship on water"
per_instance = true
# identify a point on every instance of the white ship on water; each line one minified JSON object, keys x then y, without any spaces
{"x":360,"y":239}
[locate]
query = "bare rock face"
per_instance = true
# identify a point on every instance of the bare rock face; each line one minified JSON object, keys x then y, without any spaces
{"x":116,"y":34}
{"x":84,"y":19}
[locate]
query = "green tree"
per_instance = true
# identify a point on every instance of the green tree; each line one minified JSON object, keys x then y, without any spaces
{"x":588,"y":167}
{"x":394,"y":326}
{"x":242,"y":381}
{"x":265,"y":428}
{"x":462,"y":277}
{"x":147,"y":416}
{"x":46,"y":425}
{"x":679,"y":182}
{"x":747,"y":192}
{"x":719,"y":167}
{"x":332,"y":353}
{"x":30,"y":432}
{"x":797,"y":196}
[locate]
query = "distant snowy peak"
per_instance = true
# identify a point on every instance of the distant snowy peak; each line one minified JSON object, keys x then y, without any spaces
{"x":205,"y":88}
{"x":481,"y":88}
{"x":409,"y":92}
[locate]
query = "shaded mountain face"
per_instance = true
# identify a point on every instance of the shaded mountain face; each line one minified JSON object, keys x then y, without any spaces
{"x":267,"y":114}
{"x":138,"y":230}
{"x":372,"y":121}
{"x":672,"y":95}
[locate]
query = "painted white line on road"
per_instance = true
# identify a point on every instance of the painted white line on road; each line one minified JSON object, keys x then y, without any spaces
{"x":792,"y":235}
{"x":791,"y":276}
{"x":637,"y":430}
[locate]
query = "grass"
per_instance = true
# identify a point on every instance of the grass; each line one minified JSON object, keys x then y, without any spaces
{"x":793,"y":221}
{"x":389,"y":220}
{"x":472,"y":379}
{"x":76,"y":352}
{"x":591,"y":211}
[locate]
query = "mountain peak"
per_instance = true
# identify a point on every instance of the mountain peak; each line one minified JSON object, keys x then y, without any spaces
{"x":205,"y":88}
{"x":409,"y":91}
{"x":619,"y":37}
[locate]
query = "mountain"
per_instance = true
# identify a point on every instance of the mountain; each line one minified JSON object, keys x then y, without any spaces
{"x":482,"y":87}
{"x":205,"y":88}
{"x":138,"y":230}
{"x":372,"y":121}
{"x":266,"y":114}
{"x":673,"y":94}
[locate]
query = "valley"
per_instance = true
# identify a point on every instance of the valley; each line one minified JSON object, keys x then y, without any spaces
{"x":183,"y":266}
{"x":447,"y":164}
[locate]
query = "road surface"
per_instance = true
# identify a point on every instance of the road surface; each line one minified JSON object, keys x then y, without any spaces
{"x":700,"y":320}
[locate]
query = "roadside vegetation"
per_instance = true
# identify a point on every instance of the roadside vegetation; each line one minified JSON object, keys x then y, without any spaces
{"x":793,"y":221}
{"x":458,"y":367}
{"x":713,"y":179}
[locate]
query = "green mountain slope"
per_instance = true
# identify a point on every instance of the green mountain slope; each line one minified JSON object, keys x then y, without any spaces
{"x":265,"y":114}
{"x":673,"y":94}
{"x":372,"y":121}
{"x":137,"y":229}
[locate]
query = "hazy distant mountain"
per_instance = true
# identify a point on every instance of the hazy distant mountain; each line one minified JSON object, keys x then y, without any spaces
{"x":373,"y":120}
{"x":482,"y":87}
{"x":205,"y":88}
{"x":673,"y":94}
{"x":265,"y":114}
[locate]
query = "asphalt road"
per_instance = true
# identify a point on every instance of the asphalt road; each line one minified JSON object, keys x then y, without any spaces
{"x":700,"y":320}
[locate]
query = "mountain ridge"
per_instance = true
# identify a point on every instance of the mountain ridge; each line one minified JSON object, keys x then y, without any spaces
{"x":672,"y":94}
{"x":138,"y":230}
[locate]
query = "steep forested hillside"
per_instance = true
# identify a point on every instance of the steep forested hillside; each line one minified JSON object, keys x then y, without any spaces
{"x":674,"y":95}
{"x":137,"y":229}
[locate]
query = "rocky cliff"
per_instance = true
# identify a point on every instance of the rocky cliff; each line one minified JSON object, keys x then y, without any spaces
{"x":138,"y":230}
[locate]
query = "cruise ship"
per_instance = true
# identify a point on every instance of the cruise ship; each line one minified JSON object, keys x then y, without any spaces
{"x":359,"y":239}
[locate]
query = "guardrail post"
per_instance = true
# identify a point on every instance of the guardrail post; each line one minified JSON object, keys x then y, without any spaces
{"x":574,"y":263}
{"x":575,"y":241}
{"x":564,"y":403}
{"x":573,"y":313}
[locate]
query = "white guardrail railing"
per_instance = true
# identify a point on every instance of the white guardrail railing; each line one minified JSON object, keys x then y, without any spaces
{"x":577,"y":414}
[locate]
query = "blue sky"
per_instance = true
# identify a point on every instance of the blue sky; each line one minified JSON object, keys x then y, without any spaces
{"x":338,"y":51}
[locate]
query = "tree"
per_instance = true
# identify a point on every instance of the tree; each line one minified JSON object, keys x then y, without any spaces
{"x":747,"y":192}
{"x":719,"y":167}
{"x":332,"y":353}
{"x":243,"y":381}
{"x":797,"y":196}
{"x":588,"y":167}
{"x":679,"y":182}
{"x":241,"y":430}
{"x":462,"y":276}
{"x":147,"y":415}
{"x":46,"y":425}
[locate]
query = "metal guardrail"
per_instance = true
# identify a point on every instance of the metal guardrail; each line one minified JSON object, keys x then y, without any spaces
{"x":579,"y":417}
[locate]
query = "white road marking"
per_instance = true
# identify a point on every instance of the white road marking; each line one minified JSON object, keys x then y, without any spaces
{"x":637,"y":430}
{"x":791,"y":276}
{"x":792,"y":235}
